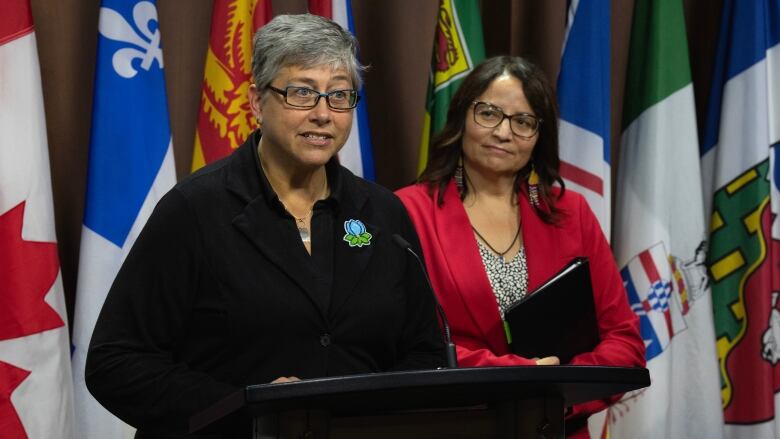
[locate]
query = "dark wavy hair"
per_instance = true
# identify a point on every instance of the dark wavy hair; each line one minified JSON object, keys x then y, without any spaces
{"x":447,"y":146}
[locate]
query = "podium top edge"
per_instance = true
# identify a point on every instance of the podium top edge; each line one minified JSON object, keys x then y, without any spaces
{"x":439,"y":387}
{"x":632,"y":377}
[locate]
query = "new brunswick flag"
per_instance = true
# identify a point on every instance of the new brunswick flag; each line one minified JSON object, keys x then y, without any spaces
{"x":739,"y":164}
{"x":457,"y":47}
{"x":224,"y":119}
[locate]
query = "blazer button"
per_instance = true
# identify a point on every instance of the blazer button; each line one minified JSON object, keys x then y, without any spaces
{"x":325,"y":340}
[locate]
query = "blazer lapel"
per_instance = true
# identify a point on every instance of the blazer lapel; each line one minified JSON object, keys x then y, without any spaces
{"x":540,"y":242}
{"x":280,"y":243}
{"x":274,"y":237}
{"x":350,"y":262}
{"x":468,"y":272}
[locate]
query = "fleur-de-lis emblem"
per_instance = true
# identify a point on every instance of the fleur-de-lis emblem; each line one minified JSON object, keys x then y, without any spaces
{"x":114,"y":26}
{"x":356,"y":236}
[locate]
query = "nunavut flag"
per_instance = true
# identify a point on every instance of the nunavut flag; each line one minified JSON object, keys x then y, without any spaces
{"x":224,"y":119}
{"x":35,"y":385}
{"x":458,"y":47}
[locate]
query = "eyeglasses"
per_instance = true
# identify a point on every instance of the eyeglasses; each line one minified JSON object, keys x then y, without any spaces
{"x":523,"y":125}
{"x":304,"y":97}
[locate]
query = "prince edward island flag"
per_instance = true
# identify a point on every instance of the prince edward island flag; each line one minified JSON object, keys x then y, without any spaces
{"x":130,"y":168}
{"x":660,"y":234}
{"x":740,"y":169}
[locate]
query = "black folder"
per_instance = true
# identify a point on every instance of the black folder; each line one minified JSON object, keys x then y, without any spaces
{"x":558,"y":318}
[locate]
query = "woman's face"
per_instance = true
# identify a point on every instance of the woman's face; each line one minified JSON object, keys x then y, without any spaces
{"x":303,"y":137}
{"x":498,"y":151}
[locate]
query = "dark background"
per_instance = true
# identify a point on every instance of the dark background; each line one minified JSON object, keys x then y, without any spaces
{"x":396,"y":38}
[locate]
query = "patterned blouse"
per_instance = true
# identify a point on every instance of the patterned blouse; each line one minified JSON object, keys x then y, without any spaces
{"x":509,"y":280}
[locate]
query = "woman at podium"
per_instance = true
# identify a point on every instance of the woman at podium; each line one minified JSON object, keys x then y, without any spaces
{"x":493,"y":227}
{"x":273,"y":264}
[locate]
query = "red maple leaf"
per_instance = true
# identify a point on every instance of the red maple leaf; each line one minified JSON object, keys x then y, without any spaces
{"x":28,"y":270}
{"x":10,"y":424}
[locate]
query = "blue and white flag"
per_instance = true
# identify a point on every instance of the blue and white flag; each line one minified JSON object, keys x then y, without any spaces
{"x":584,"y":97}
{"x":130,"y":168}
{"x":739,"y":166}
{"x":357,"y":154}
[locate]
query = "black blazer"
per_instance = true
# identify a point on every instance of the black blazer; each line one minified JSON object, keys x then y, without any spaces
{"x":218,"y":292}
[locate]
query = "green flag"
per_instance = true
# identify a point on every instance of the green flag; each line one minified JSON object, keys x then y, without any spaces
{"x":660,"y":233}
{"x":457,"y":48}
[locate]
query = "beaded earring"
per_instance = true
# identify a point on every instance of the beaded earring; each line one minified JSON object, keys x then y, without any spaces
{"x":459,"y":177}
{"x":533,"y":187}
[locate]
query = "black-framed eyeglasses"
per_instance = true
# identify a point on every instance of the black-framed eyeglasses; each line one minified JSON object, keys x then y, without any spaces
{"x":523,"y":125}
{"x":304,"y":97}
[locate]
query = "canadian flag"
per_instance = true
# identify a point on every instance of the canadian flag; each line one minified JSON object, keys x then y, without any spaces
{"x":35,"y":377}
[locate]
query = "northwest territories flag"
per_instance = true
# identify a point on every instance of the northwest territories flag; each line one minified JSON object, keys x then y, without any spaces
{"x":130,"y":168}
{"x":36,"y":392}
{"x":739,"y":164}
{"x":357,"y":154}
{"x":585,"y":110}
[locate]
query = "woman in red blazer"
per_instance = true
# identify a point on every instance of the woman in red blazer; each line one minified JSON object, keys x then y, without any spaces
{"x":493,"y":227}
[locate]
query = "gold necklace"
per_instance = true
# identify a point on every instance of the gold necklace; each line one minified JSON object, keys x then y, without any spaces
{"x":300,"y":223}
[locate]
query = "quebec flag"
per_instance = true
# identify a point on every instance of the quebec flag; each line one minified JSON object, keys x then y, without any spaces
{"x":584,"y":97}
{"x":130,"y":168}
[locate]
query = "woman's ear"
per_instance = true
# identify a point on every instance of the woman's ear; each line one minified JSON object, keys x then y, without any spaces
{"x":256,"y":103}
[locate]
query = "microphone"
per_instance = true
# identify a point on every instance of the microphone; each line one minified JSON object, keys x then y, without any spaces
{"x":452,"y":358}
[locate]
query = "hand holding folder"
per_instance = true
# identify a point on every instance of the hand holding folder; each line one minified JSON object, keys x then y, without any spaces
{"x":558,"y":318}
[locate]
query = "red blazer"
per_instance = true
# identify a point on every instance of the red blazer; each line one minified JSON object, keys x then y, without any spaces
{"x":461,"y":283}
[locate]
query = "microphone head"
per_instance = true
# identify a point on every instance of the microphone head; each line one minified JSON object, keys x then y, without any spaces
{"x":401,"y":242}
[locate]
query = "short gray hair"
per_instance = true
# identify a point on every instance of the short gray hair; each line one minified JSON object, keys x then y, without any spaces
{"x":306,"y":41}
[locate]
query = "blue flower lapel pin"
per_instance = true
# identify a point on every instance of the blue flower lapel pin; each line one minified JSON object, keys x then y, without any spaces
{"x":356,"y":236}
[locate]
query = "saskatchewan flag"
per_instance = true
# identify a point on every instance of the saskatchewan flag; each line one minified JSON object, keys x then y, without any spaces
{"x":660,"y":211}
{"x":457,"y":47}
{"x":739,"y":161}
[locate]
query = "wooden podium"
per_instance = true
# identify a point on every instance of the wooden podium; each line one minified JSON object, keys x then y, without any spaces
{"x":492,"y":402}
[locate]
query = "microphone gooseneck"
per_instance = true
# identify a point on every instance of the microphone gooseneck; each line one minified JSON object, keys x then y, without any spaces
{"x":452,"y":357}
